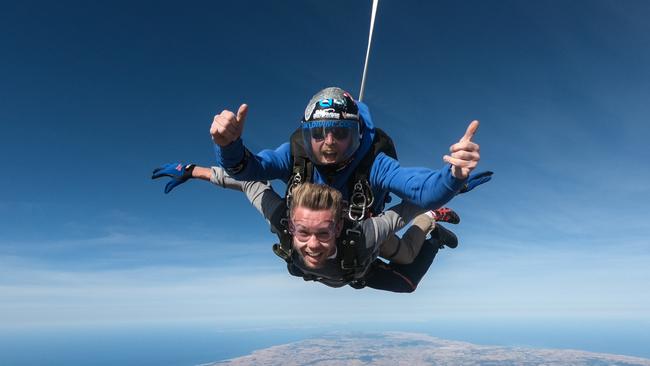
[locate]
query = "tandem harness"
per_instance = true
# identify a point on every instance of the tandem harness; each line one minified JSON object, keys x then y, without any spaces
{"x":358,"y":208}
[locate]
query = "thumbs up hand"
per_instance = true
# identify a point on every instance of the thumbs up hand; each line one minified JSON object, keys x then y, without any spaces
{"x":465,"y":154}
{"x":228,"y":127}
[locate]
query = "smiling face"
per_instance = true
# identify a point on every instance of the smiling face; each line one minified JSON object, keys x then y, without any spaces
{"x":330,"y":149}
{"x":314,"y":235}
{"x":315,"y":222}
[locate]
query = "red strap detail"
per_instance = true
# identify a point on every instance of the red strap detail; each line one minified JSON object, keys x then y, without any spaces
{"x":410,"y":283}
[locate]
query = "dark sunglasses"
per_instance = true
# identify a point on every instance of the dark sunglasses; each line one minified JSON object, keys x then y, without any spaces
{"x":338,"y":133}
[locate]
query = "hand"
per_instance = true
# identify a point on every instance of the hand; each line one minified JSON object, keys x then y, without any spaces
{"x":465,"y":154}
{"x":226,"y":127}
{"x":178,"y":172}
{"x":476,"y":179}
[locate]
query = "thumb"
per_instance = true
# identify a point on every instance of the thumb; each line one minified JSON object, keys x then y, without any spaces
{"x":471,"y":130}
{"x":241,"y":113}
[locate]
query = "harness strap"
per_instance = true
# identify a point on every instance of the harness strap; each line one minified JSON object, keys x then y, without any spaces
{"x":362,"y":198}
{"x":284,"y":249}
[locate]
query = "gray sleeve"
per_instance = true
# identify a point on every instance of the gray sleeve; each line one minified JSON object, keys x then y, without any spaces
{"x":260,"y":194}
{"x":377,"y":229}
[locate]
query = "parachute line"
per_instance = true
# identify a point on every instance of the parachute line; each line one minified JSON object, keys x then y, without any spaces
{"x":365,"y":66}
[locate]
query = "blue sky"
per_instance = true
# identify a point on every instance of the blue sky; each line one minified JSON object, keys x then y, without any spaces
{"x":94,"y":96}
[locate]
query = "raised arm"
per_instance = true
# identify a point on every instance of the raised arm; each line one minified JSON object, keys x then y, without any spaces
{"x":241,"y":164}
{"x":231,"y":154}
{"x":428,"y":188}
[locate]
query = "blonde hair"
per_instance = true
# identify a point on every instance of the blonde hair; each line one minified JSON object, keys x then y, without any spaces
{"x":317,"y":197}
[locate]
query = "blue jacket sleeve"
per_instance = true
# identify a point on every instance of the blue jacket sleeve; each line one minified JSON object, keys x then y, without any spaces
{"x":429,"y":189}
{"x":266,"y":165}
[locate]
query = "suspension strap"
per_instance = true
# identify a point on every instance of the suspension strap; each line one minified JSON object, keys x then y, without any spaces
{"x":348,"y":255}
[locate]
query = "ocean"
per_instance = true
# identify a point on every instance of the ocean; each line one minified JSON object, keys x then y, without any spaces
{"x":192,"y":344}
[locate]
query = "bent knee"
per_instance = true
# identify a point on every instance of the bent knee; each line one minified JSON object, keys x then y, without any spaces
{"x":405,"y":254}
{"x":410,"y":290}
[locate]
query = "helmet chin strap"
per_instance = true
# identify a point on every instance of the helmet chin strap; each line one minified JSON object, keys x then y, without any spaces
{"x":334,"y":167}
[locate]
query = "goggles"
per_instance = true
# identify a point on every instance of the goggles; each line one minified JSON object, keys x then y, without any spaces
{"x":340,"y":130}
{"x":302,"y":234}
{"x":345,"y":132}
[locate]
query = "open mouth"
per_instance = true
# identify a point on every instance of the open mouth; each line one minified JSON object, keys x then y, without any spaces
{"x":329,"y":155}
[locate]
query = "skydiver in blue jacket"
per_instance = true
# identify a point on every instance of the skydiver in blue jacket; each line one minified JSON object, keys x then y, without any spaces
{"x":337,"y":133}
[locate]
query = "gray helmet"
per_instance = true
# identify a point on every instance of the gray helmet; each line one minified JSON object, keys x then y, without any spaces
{"x":331,"y":103}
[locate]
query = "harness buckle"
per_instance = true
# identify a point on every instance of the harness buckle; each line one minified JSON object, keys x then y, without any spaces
{"x":358,"y":203}
{"x":349,"y":261}
{"x":353,"y":266}
{"x":354,"y":232}
{"x":281,"y":252}
{"x":283,"y":249}
{"x":284,"y":222}
{"x":294,"y":181}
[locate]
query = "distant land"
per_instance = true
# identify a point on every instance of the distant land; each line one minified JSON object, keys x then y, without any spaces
{"x":410,"y":349}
